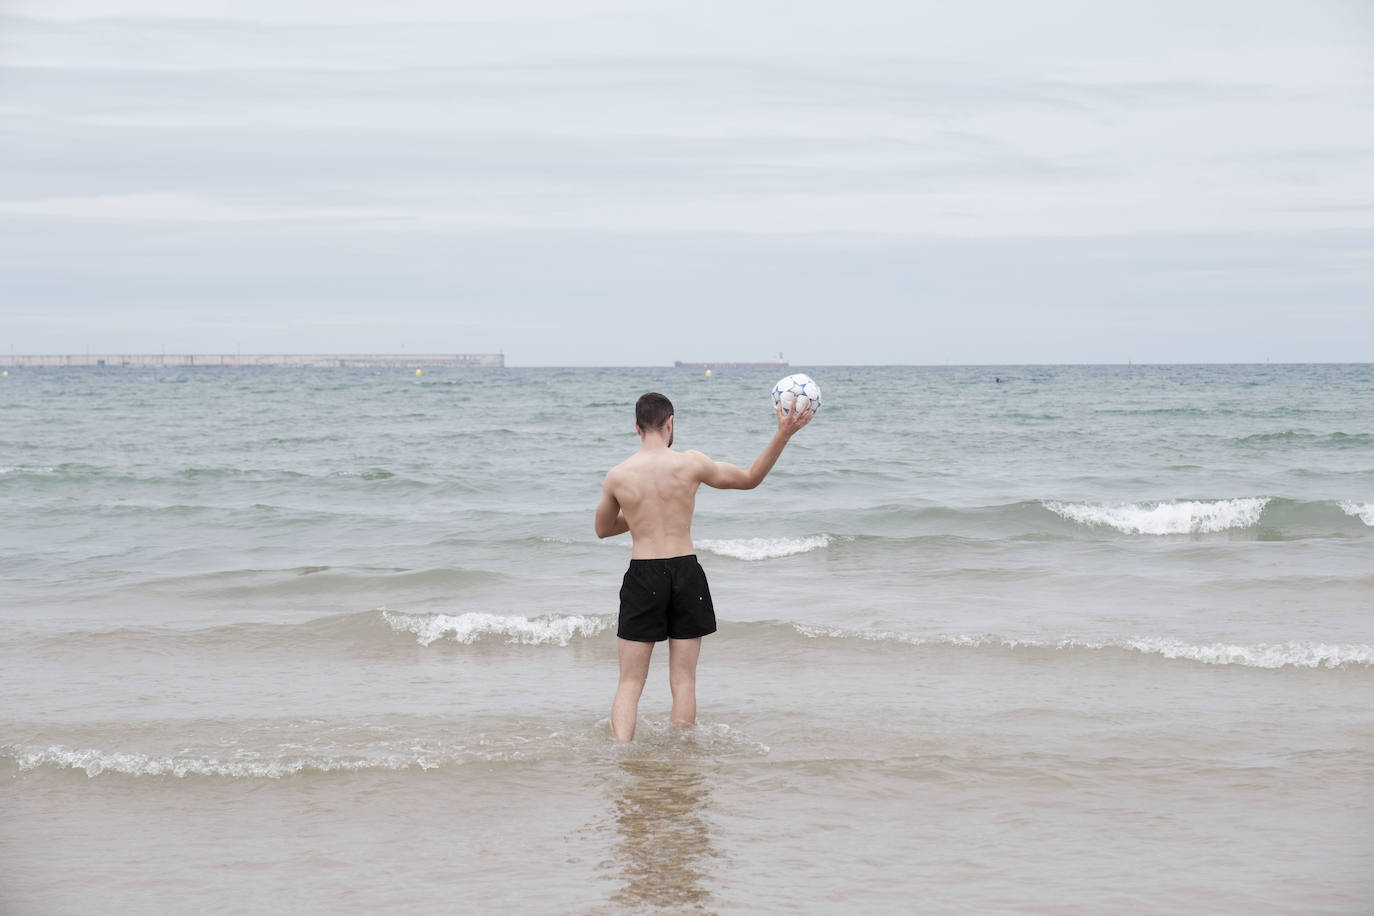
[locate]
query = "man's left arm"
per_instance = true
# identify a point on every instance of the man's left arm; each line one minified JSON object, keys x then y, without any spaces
{"x":610,"y":521}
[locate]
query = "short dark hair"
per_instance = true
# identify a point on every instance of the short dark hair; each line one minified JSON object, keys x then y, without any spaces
{"x":652,"y":411}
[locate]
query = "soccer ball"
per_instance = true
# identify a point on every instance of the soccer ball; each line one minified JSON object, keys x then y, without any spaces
{"x":799,"y":391}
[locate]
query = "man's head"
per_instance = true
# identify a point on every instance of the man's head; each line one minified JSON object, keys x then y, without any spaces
{"x":652,"y":413}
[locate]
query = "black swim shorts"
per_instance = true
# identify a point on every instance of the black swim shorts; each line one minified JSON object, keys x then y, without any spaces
{"x":665,"y":599}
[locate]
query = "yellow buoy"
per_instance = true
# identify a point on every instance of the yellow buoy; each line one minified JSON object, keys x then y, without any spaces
{"x":418,"y":372}
{"x":7,"y":373}
{"x":708,"y":373}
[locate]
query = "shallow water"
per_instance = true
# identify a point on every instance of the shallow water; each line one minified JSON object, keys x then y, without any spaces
{"x":1080,"y":638}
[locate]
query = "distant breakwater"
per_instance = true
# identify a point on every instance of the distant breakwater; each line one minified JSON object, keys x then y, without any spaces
{"x":253,"y":360}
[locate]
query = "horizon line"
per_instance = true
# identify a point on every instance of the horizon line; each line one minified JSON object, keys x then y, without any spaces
{"x":696,"y":364}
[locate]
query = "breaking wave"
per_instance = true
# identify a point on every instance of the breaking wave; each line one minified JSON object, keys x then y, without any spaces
{"x":1276,"y":517}
{"x":1292,"y":654}
{"x":764,"y":548}
{"x":471,"y":627}
{"x":377,"y":628}
{"x":1185,"y":517}
{"x":1364,"y":512}
{"x":242,"y":764}
{"x":26,"y":469}
{"x":713,"y":739}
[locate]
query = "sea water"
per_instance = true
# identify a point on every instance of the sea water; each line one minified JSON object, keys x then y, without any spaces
{"x":1058,"y":638}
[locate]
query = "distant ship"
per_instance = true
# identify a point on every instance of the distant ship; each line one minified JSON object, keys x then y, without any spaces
{"x":778,"y":363}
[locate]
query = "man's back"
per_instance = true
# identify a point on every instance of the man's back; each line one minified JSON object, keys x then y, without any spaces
{"x":657,"y":491}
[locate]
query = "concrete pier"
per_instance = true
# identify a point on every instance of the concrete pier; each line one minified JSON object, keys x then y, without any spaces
{"x":253,"y":360}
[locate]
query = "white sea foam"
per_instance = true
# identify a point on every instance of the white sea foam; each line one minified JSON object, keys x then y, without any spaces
{"x":1293,"y":654}
{"x":1187,"y":517}
{"x":242,"y":764}
{"x":764,"y":548}
{"x":1364,"y":512}
{"x":470,"y":627}
{"x":717,"y":737}
{"x":26,"y":469}
{"x":286,"y":760}
{"x":1260,"y":655}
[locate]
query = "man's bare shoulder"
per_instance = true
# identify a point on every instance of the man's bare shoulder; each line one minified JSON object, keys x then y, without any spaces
{"x":633,"y":466}
{"x":620,"y":471}
{"x":699,"y":464}
{"x":639,"y":464}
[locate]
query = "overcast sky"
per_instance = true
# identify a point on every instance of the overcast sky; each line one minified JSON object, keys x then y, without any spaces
{"x":629,"y":183}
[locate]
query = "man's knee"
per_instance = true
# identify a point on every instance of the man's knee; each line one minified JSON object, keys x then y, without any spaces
{"x":682,"y":679}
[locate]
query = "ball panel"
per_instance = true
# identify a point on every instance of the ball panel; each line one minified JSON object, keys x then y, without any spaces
{"x":797,"y":391}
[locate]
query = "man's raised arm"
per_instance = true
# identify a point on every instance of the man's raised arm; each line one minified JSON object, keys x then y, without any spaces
{"x":725,"y":476}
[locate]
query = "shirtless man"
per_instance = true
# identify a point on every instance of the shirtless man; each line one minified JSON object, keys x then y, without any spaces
{"x":664,"y":594}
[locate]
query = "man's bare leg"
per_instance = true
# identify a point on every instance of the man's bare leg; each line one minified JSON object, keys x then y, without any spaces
{"x":634,"y":671}
{"x":682,"y":678}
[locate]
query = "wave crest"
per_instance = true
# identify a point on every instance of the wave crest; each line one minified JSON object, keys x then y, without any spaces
{"x":1186,"y":517}
{"x":470,"y":627}
{"x":764,"y":548}
{"x":26,"y":469}
{"x":1260,"y":655}
{"x":1364,"y":513}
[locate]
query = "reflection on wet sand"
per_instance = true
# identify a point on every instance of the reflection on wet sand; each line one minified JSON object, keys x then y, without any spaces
{"x":664,"y":843}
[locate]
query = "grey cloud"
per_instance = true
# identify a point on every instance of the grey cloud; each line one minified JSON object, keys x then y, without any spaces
{"x":662,"y":113}
{"x":426,"y":169}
